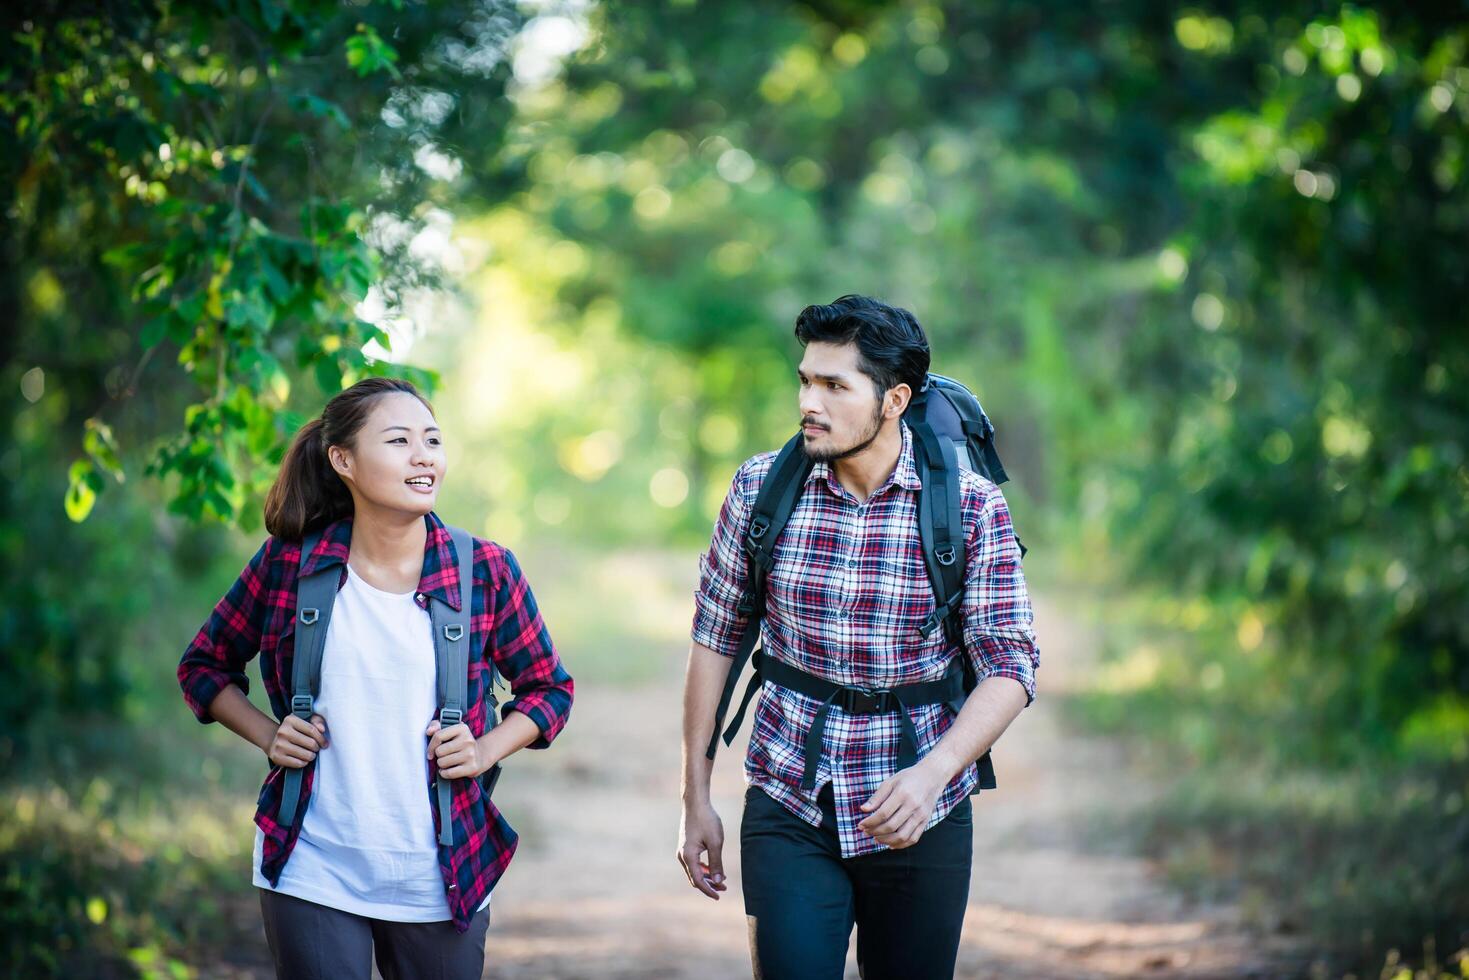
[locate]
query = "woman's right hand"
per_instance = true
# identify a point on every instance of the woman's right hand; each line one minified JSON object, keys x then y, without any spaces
{"x":296,"y":742}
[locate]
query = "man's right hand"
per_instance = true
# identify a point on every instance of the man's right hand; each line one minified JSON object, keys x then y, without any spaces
{"x":701,"y":832}
{"x":296,"y":742}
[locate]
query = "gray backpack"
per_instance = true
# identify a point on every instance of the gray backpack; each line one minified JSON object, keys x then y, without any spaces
{"x":315,"y":594}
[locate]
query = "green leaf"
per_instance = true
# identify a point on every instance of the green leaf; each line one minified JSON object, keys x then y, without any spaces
{"x":367,"y":53}
{"x":328,"y":374}
{"x":80,"y":493}
{"x":271,"y":14}
{"x":122,"y":255}
{"x":276,"y":283}
{"x":99,"y":444}
{"x":324,"y":108}
{"x":154,"y":331}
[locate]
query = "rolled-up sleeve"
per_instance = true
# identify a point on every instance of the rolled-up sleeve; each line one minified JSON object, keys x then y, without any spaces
{"x":229,"y":640}
{"x":999,"y":625}
{"x":523,"y":653}
{"x":718,"y":624}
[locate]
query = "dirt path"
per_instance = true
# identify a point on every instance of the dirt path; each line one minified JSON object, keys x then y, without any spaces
{"x":1057,"y":890}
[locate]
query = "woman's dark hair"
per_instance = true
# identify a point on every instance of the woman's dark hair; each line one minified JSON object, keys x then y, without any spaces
{"x":892,"y":345}
{"x":308,"y":493}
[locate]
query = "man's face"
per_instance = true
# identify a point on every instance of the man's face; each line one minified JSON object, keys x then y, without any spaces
{"x":841,"y":412}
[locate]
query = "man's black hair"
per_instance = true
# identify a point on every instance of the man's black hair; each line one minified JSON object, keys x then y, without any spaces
{"x":892,"y":345}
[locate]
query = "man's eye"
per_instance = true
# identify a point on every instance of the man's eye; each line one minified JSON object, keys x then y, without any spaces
{"x":834,"y":386}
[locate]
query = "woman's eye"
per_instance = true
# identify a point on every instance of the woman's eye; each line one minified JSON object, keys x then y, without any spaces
{"x":434,"y":442}
{"x":399,"y":439}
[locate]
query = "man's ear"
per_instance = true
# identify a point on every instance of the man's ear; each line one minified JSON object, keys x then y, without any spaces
{"x":896,"y":401}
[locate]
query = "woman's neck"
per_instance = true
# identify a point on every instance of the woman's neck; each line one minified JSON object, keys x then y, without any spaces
{"x":387,"y":548}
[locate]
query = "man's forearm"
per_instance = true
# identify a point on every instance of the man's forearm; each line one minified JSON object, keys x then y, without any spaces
{"x":703,"y":683}
{"x":987,"y":712}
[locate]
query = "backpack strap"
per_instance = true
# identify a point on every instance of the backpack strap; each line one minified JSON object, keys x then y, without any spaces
{"x":941,"y":529}
{"x":981,"y":436}
{"x":773,"y":507}
{"x":315,"y":594}
{"x":451,"y":663}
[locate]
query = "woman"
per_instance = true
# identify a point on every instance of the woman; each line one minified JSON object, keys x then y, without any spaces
{"x":360,"y":867}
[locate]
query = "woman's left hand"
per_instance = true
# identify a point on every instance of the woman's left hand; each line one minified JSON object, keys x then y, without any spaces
{"x":457,"y":752}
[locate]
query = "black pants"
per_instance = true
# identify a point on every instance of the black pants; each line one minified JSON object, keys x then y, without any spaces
{"x":313,"y":942}
{"x":802,"y":897}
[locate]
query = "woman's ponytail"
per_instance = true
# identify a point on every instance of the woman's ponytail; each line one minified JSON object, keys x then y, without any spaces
{"x":308,"y":493}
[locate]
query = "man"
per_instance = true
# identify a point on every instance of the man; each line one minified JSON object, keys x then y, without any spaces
{"x":834,"y":832}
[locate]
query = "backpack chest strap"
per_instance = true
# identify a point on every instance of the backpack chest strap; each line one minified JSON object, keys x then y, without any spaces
{"x":858,"y":701}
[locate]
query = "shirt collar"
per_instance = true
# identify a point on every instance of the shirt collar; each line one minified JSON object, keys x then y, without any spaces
{"x":440,"y":576}
{"x":905,"y":474}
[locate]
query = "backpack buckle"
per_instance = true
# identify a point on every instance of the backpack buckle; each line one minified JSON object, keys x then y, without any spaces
{"x":758,"y":527}
{"x":450,"y":716}
{"x":945,"y":555}
{"x":301,"y":704}
{"x":453,"y":631}
{"x":307,"y":616}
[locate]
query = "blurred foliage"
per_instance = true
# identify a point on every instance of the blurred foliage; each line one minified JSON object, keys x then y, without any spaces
{"x":93,"y":885}
{"x":1205,"y":265}
{"x":1205,"y":269}
{"x":199,"y":198}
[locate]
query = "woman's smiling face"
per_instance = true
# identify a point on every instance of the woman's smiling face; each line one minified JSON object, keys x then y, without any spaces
{"x":396,"y":461}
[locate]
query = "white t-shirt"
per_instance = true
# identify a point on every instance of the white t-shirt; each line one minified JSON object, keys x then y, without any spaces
{"x":367,"y":843}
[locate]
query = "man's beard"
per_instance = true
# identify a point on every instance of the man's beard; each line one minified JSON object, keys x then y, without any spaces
{"x":863,"y":441}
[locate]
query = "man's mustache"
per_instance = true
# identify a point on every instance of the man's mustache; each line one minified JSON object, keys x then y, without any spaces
{"x":808,"y":420}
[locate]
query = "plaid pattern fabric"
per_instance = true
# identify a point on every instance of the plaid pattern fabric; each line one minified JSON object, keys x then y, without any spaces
{"x":846,"y":596}
{"x":258,"y":614}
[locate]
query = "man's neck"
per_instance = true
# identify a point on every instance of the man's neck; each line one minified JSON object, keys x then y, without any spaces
{"x":867,"y":471}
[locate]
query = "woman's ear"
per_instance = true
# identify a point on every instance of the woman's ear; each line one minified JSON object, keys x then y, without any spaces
{"x":341,"y":461}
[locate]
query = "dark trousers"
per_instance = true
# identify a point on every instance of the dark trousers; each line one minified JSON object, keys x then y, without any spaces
{"x":802,"y":897}
{"x":313,"y":942}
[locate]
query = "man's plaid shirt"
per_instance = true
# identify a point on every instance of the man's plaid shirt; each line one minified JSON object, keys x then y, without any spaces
{"x":846,"y":596}
{"x":258,"y":614}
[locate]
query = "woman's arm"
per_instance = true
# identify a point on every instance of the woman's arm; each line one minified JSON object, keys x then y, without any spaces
{"x":292,"y":743}
{"x":212,"y":671}
{"x":460,"y":755}
{"x":521,"y":648}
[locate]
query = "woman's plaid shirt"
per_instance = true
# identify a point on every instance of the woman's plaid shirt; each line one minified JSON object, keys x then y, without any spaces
{"x":258,"y":614}
{"x":846,"y":596}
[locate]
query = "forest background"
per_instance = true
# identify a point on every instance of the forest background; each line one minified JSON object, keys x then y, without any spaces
{"x":1202,"y":264}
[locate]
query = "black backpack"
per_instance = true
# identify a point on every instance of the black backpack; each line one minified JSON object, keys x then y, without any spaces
{"x":950,"y":432}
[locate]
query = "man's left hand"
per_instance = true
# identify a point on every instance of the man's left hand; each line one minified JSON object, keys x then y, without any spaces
{"x":898,"y":812}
